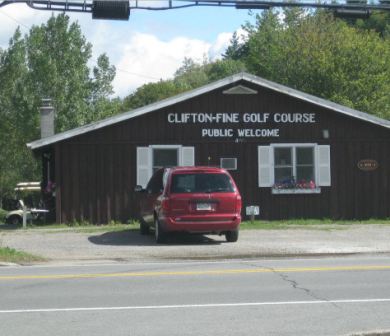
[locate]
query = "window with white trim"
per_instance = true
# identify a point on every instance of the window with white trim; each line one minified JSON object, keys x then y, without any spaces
{"x":154,"y":157}
{"x":229,"y":163}
{"x":294,"y":168}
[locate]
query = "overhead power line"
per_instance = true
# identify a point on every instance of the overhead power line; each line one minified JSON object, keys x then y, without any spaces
{"x":13,"y":19}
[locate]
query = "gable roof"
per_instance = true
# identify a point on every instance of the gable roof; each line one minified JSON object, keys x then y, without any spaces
{"x":204,"y":89}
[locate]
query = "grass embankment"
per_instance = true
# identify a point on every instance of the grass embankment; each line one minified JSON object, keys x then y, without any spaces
{"x":308,"y":224}
{"x":10,"y":255}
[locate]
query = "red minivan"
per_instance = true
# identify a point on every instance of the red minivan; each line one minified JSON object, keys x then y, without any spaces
{"x":190,"y":199}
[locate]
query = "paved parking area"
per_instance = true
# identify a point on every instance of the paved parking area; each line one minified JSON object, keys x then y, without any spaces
{"x":126,"y":245}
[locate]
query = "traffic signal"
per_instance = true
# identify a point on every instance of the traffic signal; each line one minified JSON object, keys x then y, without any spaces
{"x":111,"y":9}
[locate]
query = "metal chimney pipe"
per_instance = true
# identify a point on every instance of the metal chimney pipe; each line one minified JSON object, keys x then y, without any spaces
{"x":47,"y":118}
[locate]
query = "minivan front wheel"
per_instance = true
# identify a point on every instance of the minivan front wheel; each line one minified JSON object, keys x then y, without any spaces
{"x":231,"y":236}
{"x":159,"y":232}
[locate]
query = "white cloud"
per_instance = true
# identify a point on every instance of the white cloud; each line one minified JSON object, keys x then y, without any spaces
{"x":220,"y":45}
{"x":139,"y":57}
{"x":154,"y":59}
{"x":242,"y":35}
{"x":145,"y":58}
{"x":15,"y":15}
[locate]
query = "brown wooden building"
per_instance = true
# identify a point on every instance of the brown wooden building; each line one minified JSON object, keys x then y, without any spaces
{"x":292,"y":154}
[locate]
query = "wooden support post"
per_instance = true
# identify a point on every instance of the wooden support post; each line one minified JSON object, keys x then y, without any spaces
{"x":24,"y":217}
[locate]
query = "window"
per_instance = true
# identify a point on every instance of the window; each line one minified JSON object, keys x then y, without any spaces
{"x":201,"y":183}
{"x":154,"y":157}
{"x":229,"y":163}
{"x":294,"y":168}
{"x":164,"y":157}
{"x":304,"y":164}
{"x":284,"y":169}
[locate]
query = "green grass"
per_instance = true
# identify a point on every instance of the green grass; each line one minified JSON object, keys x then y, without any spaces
{"x":10,"y":255}
{"x":107,"y":228}
{"x":308,"y":224}
{"x":86,"y":228}
{"x":312,"y":224}
{"x":83,"y":226}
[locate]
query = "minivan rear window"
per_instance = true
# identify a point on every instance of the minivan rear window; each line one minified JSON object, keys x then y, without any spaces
{"x":201,"y":183}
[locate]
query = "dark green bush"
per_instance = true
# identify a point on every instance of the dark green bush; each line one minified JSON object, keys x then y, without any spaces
{"x":3,"y":213}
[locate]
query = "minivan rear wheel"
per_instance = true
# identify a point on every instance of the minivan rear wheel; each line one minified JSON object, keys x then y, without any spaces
{"x":159,"y":232}
{"x":231,"y":236}
{"x":143,"y":227}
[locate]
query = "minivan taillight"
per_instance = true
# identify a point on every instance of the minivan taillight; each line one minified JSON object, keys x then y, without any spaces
{"x":238,"y":204}
{"x":165,"y":204}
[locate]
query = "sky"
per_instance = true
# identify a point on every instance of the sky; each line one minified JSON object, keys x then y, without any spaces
{"x":150,"y":46}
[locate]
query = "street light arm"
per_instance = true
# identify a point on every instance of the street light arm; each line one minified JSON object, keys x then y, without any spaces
{"x":120,"y":9}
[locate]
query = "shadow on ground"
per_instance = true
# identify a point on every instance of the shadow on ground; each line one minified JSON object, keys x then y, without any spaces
{"x":36,"y":224}
{"x":134,"y":238}
{"x":10,"y":227}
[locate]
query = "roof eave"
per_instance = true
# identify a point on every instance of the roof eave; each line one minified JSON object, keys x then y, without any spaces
{"x":135,"y":113}
{"x":204,"y":89}
{"x":318,"y":101}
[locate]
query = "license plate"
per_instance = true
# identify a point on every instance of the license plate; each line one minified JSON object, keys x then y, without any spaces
{"x":203,"y":206}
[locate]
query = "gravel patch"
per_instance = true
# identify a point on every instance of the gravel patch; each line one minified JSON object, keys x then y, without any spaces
{"x":131,"y":246}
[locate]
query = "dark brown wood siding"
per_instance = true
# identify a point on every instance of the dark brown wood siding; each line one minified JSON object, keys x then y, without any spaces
{"x":96,"y":172}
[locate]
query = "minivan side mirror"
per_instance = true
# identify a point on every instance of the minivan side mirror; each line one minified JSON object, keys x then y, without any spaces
{"x":138,"y":188}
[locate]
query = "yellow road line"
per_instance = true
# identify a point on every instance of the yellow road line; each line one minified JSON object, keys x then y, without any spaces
{"x":194,"y":273}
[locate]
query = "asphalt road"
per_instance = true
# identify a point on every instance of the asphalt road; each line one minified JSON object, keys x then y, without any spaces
{"x":317,"y":296}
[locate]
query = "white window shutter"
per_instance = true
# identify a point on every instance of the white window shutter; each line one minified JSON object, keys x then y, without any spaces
{"x":266,"y":170}
{"x":187,"y":156}
{"x":323,"y":165}
{"x":144,"y":166}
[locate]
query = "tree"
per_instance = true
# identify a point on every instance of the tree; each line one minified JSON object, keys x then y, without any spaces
{"x":57,"y":55}
{"x":101,"y":104}
{"x":150,"y":93}
{"x":189,"y":76}
{"x":378,"y":21}
{"x":103,"y":74}
{"x":50,"y":61}
{"x":223,"y":68}
{"x":18,"y":124}
{"x":264,"y":44}
{"x":236,"y":49}
{"x":324,"y":56}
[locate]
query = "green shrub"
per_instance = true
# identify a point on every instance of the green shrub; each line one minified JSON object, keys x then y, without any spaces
{"x":79,"y":223}
{"x":114,"y":222}
{"x":132,"y":221}
{"x":10,"y":255}
{"x":3,"y":213}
